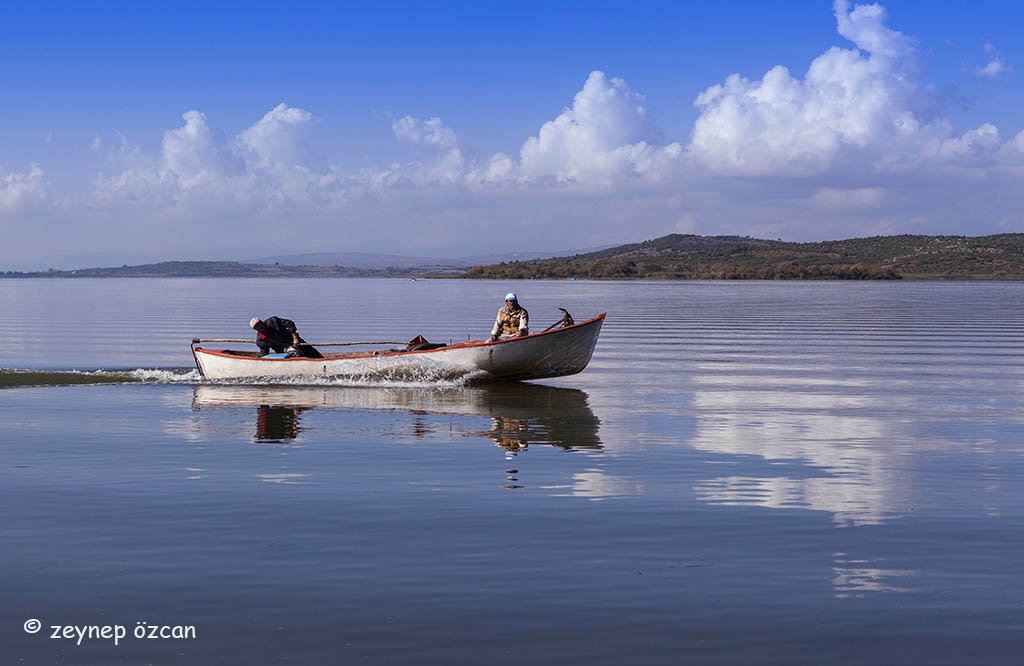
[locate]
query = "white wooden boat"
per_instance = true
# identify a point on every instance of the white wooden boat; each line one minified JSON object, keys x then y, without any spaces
{"x":553,"y":353}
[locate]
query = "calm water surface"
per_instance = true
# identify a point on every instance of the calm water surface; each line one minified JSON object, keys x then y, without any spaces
{"x":750,"y":473}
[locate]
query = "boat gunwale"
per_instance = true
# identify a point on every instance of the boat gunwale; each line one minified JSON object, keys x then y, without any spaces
{"x":369,"y":354}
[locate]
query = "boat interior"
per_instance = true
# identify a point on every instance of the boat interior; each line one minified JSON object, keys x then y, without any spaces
{"x":352,"y":354}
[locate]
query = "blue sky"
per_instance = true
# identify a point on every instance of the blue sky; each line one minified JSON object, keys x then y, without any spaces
{"x":457,"y":128}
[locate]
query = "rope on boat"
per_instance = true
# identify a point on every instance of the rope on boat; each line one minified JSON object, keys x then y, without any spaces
{"x":311,"y":344}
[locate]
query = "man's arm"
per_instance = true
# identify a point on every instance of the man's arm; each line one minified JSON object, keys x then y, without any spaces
{"x":289,"y":326}
{"x":524,"y":327}
{"x":496,"y":328}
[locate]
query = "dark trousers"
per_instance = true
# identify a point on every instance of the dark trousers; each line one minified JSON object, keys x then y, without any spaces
{"x":266,"y":344}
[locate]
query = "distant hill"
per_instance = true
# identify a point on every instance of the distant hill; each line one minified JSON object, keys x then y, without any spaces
{"x":676,"y":256}
{"x":690,"y":257}
{"x":320,"y":264}
{"x":362,"y":260}
{"x":230,"y":269}
{"x":370,"y":260}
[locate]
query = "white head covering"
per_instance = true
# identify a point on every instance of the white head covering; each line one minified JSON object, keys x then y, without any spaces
{"x":253,"y":322}
{"x":511,"y":296}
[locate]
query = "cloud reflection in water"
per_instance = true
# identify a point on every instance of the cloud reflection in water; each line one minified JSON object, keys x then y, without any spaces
{"x":840,"y":436}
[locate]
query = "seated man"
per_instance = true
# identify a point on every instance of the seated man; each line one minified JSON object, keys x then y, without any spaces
{"x":512,"y":320}
{"x":280,"y":335}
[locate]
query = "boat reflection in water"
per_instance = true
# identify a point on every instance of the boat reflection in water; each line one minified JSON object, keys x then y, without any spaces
{"x":275,"y":423}
{"x":520,"y":414}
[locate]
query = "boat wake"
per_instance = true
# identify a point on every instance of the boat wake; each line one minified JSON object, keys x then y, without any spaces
{"x":14,"y":378}
{"x":391,"y":378}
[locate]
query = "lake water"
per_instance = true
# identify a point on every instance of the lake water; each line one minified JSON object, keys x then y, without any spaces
{"x":749,"y":473}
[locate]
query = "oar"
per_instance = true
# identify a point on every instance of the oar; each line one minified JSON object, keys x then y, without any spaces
{"x":311,"y":344}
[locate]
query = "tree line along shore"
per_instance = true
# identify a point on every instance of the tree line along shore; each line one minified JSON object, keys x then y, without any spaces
{"x":672,"y":257}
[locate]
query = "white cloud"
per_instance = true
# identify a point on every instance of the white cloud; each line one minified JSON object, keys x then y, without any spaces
{"x":862,"y":197}
{"x":200,"y":171}
{"x":604,"y":141}
{"x":981,"y":143}
{"x":857,"y":134}
{"x":499,"y":168}
{"x":995,"y":66}
{"x":856,"y":110}
{"x":428,"y":133}
{"x":444,"y":162}
{"x":601,"y":142}
{"x":20,"y":191}
{"x":198,"y":153}
{"x":993,"y":69}
{"x":850,"y":107}
{"x":1018,"y":142}
{"x":276,"y":140}
{"x":865,"y":27}
{"x":606,"y":134}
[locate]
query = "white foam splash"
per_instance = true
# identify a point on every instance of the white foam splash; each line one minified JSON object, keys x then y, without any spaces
{"x":406,"y":377}
{"x":165,"y":376}
{"x":386,"y":379}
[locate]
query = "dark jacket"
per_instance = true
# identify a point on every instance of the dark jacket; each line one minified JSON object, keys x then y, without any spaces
{"x":278,"y":335}
{"x":279,"y":332}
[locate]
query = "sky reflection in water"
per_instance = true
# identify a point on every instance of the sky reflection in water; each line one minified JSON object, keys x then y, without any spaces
{"x":742,"y":468}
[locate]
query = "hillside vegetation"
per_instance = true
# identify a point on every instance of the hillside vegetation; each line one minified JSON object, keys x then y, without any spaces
{"x":689,"y":257}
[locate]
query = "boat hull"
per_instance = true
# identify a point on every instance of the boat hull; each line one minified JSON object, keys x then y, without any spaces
{"x":555,"y":353}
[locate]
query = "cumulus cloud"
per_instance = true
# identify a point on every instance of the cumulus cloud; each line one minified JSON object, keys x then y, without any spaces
{"x":20,"y":191}
{"x":266,"y":166}
{"x":198,"y":153}
{"x":857,"y":135}
{"x":277,"y":138}
{"x":855,"y":109}
{"x":850,"y":104}
{"x":865,"y":27}
{"x":995,"y":66}
{"x":430,"y":133}
{"x":444,"y":163}
{"x":981,"y":143}
{"x":605,"y":140}
{"x":1017,"y":144}
{"x":606,"y":133}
